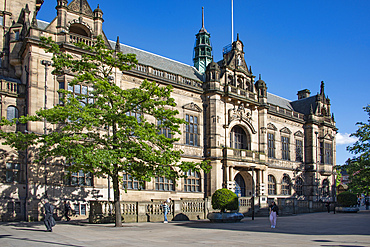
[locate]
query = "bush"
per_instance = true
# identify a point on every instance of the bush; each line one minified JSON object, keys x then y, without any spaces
{"x":225,"y":199}
{"x":347,"y":199}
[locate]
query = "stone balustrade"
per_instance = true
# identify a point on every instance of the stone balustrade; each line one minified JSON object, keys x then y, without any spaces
{"x":11,"y":88}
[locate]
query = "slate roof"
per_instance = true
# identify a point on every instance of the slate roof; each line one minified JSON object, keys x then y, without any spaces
{"x":302,"y":105}
{"x":42,"y":24}
{"x":159,"y":62}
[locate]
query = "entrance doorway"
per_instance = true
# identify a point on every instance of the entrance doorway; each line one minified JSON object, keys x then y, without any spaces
{"x":239,"y":186}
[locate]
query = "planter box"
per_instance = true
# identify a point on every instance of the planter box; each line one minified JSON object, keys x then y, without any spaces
{"x":225,"y":217}
{"x":346,"y":209}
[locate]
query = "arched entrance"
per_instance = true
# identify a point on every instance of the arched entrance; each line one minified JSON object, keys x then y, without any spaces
{"x":239,"y":185}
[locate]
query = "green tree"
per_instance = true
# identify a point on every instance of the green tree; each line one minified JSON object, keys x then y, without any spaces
{"x":358,"y":167}
{"x":107,"y":131}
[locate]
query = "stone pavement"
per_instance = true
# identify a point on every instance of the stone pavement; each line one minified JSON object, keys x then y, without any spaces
{"x":315,"y":229}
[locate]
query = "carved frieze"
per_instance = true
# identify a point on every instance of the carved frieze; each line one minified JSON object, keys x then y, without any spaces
{"x":81,"y":6}
{"x":240,"y":113}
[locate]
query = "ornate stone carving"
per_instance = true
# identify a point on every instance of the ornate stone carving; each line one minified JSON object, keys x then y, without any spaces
{"x":80,"y":21}
{"x":81,"y":6}
{"x":240,"y":113}
{"x":192,"y":107}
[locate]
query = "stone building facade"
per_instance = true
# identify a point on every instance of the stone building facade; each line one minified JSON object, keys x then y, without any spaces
{"x":257,"y":143}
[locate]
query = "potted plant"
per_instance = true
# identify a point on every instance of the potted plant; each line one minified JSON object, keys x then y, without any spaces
{"x":225,"y":200}
{"x":347,"y":203}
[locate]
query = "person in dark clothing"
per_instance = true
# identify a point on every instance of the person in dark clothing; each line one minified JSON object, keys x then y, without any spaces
{"x":367,"y":203}
{"x":48,"y":219}
{"x":67,"y":209}
{"x":274,"y":212}
{"x":327,"y":205}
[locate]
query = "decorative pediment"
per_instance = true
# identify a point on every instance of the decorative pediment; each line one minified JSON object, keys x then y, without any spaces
{"x":299,"y":134}
{"x":270,"y":126}
{"x":285,"y":130}
{"x":81,"y":6}
{"x":328,"y":137}
{"x":192,"y":107}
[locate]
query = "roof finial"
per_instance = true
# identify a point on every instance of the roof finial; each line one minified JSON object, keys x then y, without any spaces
{"x":237,"y":36}
{"x":259,"y":76}
{"x":118,"y":46}
{"x":322,"y":88}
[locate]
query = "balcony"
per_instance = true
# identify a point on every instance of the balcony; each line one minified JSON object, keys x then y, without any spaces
{"x":232,"y":90}
{"x":325,"y":169}
{"x":12,"y":88}
{"x":75,"y":38}
{"x":243,"y":154}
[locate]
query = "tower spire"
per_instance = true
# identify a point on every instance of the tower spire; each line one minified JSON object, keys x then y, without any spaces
{"x":202,"y":17}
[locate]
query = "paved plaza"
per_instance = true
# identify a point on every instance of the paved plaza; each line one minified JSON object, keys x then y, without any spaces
{"x":315,"y":229}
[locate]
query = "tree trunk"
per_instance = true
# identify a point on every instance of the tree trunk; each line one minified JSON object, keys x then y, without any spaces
{"x":117,"y":204}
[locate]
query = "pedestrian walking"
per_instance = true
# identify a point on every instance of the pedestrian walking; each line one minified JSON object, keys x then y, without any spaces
{"x":165,"y":208}
{"x":274,"y":212}
{"x":327,"y":205}
{"x":48,"y":217}
{"x":367,"y":203}
{"x":67,"y":209}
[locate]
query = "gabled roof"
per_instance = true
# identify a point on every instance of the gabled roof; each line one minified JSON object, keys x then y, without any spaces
{"x":42,"y":24}
{"x":302,"y":105}
{"x":159,"y":62}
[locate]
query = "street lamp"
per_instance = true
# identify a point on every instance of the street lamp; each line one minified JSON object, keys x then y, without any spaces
{"x":252,"y":204}
{"x":46,"y":64}
{"x":317,"y":167}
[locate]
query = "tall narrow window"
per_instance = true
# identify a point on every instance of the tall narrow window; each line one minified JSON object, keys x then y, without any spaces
{"x":271,"y":185}
{"x":299,"y":186}
{"x":16,"y":35}
{"x":322,"y":161}
{"x":325,"y":188}
{"x":271,"y":145}
{"x":13,"y":172}
{"x":164,"y":130}
{"x":328,"y":154}
{"x":11,"y":113}
{"x":299,"y":150}
{"x":192,"y":134}
{"x":1,"y":20}
{"x":285,"y":148}
{"x":285,"y":186}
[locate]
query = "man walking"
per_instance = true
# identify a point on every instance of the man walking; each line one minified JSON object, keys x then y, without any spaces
{"x":48,"y":219}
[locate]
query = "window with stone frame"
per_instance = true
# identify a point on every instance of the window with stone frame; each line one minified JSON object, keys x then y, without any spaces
{"x":1,"y":20}
{"x":325,"y":188}
{"x":299,"y":150}
{"x":13,"y":172}
{"x":285,"y":152}
{"x":11,"y":113}
{"x":192,"y":130}
{"x":299,"y":186}
{"x":271,"y":185}
{"x":271,"y":145}
{"x":79,"y":178}
{"x":285,"y":186}
{"x":239,"y":139}
{"x":328,"y":151}
{"x":129,"y":183}
{"x":82,"y":92}
{"x":163,"y":130}
{"x":192,"y":182}
{"x":164,"y":184}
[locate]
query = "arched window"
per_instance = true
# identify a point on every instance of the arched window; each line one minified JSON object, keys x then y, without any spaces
{"x":239,"y":185}
{"x":325,"y":188}
{"x":299,"y":186}
{"x":240,"y":83}
{"x":239,"y":139}
{"x":164,"y":184}
{"x":230,"y":81}
{"x":285,"y":186}
{"x":192,"y":182}
{"x":271,"y":185}
{"x":79,"y":29}
{"x":11,"y":113}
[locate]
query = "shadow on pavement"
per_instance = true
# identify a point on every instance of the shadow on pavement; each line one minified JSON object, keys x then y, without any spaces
{"x":38,"y":241}
{"x":304,"y":224}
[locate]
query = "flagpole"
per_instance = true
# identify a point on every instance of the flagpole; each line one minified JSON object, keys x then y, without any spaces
{"x":232,"y":21}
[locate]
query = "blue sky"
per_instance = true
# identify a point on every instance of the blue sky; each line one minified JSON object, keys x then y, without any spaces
{"x":294,"y":44}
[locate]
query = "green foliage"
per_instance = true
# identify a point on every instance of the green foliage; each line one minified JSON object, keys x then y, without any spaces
{"x":225,"y":199}
{"x":358,"y":168}
{"x":347,"y":199}
{"x":97,"y":132}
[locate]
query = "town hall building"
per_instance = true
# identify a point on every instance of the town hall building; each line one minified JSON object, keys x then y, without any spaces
{"x":261,"y":146}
